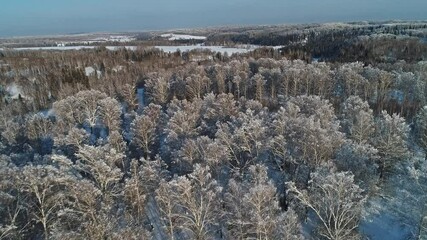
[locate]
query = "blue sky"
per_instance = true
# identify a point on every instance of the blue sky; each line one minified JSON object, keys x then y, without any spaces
{"x":38,"y":17}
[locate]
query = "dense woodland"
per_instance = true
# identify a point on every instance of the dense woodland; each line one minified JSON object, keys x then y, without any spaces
{"x":290,"y":143}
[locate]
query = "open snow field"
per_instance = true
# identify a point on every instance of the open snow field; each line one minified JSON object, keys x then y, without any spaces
{"x":169,"y":49}
{"x":221,"y":49}
{"x":172,"y":37}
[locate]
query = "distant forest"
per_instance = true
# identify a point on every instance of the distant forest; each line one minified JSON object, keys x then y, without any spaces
{"x":321,"y":138}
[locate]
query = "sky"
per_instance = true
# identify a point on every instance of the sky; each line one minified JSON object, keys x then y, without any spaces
{"x":45,"y":17}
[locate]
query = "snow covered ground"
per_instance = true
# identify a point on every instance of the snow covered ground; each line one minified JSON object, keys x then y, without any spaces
{"x":66,"y":48}
{"x":396,"y":211}
{"x":90,"y":71}
{"x":221,"y":49}
{"x":14,"y":91}
{"x":59,"y":48}
{"x":118,"y":38}
{"x":169,"y":49}
{"x":118,"y":68}
{"x":114,"y":39}
{"x":172,"y":37}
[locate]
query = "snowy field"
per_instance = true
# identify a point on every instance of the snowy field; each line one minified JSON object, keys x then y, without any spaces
{"x":121,"y":39}
{"x":172,"y":37}
{"x":67,"y":48}
{"x":169,"y":49}
{"x":220,"y":49}
{"x":114,"y":39}
{"x":58,"y":48}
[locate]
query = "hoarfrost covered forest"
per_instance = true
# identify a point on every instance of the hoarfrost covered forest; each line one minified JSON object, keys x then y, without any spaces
{"x":320,"y":134}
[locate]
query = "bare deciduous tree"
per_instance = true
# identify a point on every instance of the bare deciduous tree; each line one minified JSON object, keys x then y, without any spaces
{"x":193,"y":202}
{"x":110,"y":112}
{"x":205,"y":151}
{"x":196,"y":86}
{"x":244,"y":137}
{"x":421,"y":127}
{"x":253,"y":212}
{"x":46,"y":191}
{"x":100,"y":163}
{"x":10,"y":130}
{"x":167,"y":204}
{"x":144,"y":128}
{"x":38,"y":127}
{"x":134,"y":191}
{"x":358,"y":120}
{"x":158,"y":89}
{"x":336,"y":202}
{"x":391,"y":140}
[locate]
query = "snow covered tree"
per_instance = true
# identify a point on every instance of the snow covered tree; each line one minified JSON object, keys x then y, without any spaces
{"x":134,"y":191}
{"x":65,"y":112}
{"x":38,"y":127}
{"x":157,"y":87}
{"x":350,"y":80}
{"x":10,"y":130}
{"x":277,"y":144}
{"x":168,"y":207}
{"x":110,"y":111}
{"x":412,"y":93}
{"x":293,"y":76}
{"x":272,"y":77}
{"x":310,"y":130}
{"x":385,"y":81}
{"x":153,"y":171}
{"x":193,"y":202}
{"x":361,"y":160}
{"x":253,"y":212}
{"x":203,"y":150}
{"x":101,"y":164}
{"x":88,"y":210}
{"x":184,"y":123}
{"x":219,"y":79}
{"x":39,"y":132}
{"x":236,"y":212}
{"x":391,"y":140}
{"x":245,"y":138}
{"x":335,"y":200}
{"x":127,"y":92}
{"x":358,"y":120}
{"x":196,"y":86}
{"x":421,"y":128}
{"x":93,"y":212}
{"x":72,"y":141}
{"x":145,"y":128}
{"x":46,"y":189}
{"x":320,"y":76}
{"x":116,"y":141}
{"x":237,"y":80}
{"x":82,"y":108}
{"x":88,"y":106}
{"x":13,"y":205}
{"x":218,"y":109}
{"x":259,"y":82}
{"x":145,"y":178}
